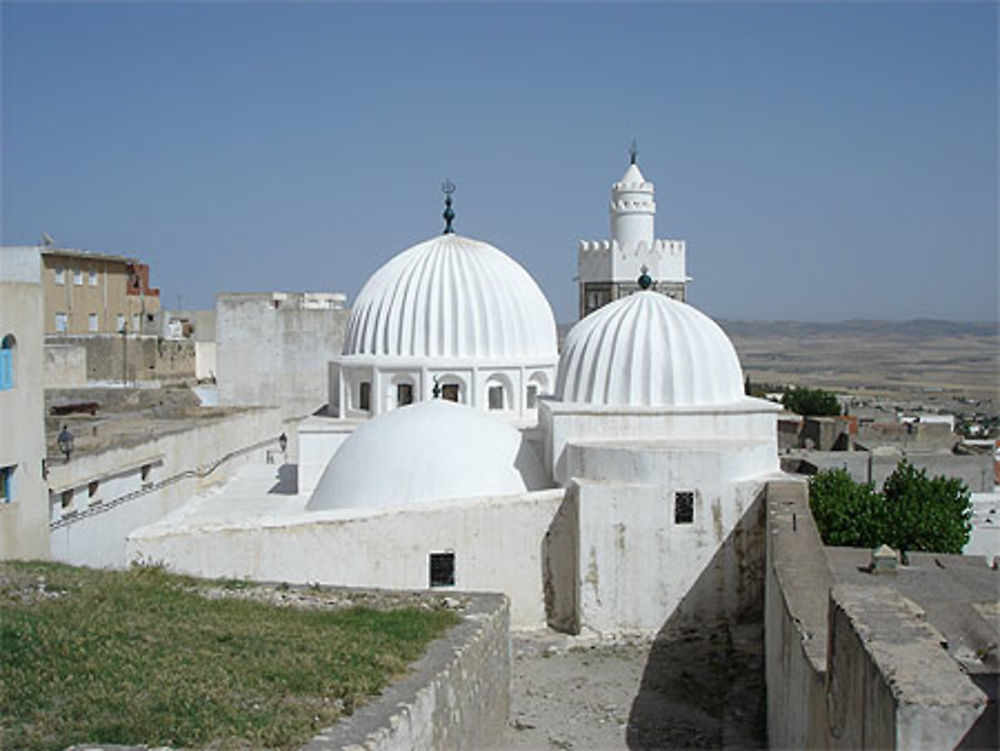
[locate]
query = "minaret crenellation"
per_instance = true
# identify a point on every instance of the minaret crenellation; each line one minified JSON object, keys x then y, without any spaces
{"x":607,"y":269}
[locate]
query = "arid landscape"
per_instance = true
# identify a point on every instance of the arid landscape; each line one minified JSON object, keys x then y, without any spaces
{"x":929,"y":361}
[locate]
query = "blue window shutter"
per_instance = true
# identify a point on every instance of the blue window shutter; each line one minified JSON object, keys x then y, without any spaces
{"x":6,"y":369}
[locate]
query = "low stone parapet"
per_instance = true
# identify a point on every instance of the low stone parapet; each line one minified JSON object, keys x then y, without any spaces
{"x":456,"y":697}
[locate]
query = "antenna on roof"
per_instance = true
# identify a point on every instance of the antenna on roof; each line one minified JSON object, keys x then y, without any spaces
{"x":47,"y":240}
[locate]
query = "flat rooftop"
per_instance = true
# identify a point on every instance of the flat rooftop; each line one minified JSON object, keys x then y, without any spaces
{"x":101,"y":418}
{"x":959,"y":595}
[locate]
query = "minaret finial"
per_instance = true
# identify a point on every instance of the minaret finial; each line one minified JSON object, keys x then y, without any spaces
{"x":448,"y":187}
{"x":645,"y":280}
{"x":633,"y":152}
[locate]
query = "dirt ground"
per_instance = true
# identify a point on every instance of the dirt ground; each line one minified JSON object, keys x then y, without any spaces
{"x":699,"y":688}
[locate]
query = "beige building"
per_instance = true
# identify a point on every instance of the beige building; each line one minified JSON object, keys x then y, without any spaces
{"x":96,"y":293}
{"x":24,"y":517}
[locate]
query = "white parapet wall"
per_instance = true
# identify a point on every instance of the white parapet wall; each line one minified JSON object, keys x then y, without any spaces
{"x":497,"y":545}
{"x":859,"y":666}
{"x":96,"y":500}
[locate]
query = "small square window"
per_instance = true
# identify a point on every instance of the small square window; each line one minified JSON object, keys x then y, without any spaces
{"x":92,"y":278}
{"x":7,"y":484}
{"x":442,"y":569}
{"x":67,"y":498}
{"x":62,"y":322}
{"x":120,"y":323}
{"x":92,"y":322}
{"x":684,"y":507}
{"x":365,"y":396}
{"x":78,"y":277}
{"x":136,"y":322}
{"x":59,"y":275}
{"x":495,"y":396}
{"x":449,"y":392}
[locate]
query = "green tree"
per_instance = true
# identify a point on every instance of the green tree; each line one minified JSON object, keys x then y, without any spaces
{"x":847,"y":513}
{"x":811,"y":402}
{"x":931,"y":514}
{"x":912,"y":513}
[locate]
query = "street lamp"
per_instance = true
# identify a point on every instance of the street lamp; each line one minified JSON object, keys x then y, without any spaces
{"x":282,"y":442}
{"x":65,"y":441}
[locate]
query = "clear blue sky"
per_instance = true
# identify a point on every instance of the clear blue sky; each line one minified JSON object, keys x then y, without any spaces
{"x":823,"y":161}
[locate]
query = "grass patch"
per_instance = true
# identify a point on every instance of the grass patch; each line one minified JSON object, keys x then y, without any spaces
{"x":139,"y":656}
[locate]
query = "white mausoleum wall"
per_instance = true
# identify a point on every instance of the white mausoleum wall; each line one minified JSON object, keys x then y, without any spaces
{"x":497,"y":542}
{"x":474,"y":378}
{"x":637,"y":564}
{"x":750,"y":421}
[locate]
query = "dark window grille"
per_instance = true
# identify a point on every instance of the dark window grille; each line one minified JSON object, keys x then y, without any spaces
{"x":684,"y":507}
{"x":442,"y":569}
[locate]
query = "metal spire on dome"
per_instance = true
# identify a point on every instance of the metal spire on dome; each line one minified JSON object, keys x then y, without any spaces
{"x":448,"y":187}
{"x":633,"y":152}
{"x":645,"y":280}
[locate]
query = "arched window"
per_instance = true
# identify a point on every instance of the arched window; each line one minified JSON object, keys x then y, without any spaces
{"x":498,"y":393}
{"x":452,"y":387}
{"x":537,"y":385}
{"x":404,"y":389}
{"x":7,"y":349}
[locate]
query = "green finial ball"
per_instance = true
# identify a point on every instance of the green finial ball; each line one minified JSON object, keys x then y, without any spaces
{"x":645,"y":280}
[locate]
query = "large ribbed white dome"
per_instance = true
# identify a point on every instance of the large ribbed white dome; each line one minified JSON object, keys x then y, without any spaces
{"x":431,"y":451}
{"x":648,"y":350}
{"x":451,"y":296}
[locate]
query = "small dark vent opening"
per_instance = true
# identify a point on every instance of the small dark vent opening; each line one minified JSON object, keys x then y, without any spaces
{"x":442,"y":569}
{"x":684,"y":507}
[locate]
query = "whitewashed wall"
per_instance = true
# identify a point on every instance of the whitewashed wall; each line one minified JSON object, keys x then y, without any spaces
{"x":498,"y":546}
{"x":90,"y":529}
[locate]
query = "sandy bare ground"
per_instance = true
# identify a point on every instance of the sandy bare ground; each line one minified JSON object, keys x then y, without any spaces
{"x":699,"y":688}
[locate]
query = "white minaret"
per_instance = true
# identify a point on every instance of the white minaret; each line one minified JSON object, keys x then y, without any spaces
{"x":609,"y":269}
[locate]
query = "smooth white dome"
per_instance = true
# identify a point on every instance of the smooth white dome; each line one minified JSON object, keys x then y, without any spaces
{"x":648,"y":350}
{"x":430,"y":451}
{"x":451,"y":296}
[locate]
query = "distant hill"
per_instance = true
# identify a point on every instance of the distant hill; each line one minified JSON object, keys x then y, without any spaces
{"x":918,"y":329}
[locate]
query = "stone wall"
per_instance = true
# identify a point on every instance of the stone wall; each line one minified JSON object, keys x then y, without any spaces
{"x":975,"y":470}
{"x":275,"y":348}
{"x":457,"y":696}
{"x":65,"y":366}
{"x":850,"y":666}
{"x":112,"y":357}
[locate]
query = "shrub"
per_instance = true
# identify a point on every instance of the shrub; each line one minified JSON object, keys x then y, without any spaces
{"x":811,"y":402}
{"x":912,"y":513}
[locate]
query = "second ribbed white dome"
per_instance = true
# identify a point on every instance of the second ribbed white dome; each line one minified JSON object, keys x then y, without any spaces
{"x":451,"y":296}
{"x":648,"y":350}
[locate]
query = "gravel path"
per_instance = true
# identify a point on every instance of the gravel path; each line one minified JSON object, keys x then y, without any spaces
{"x":695,"y":688}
